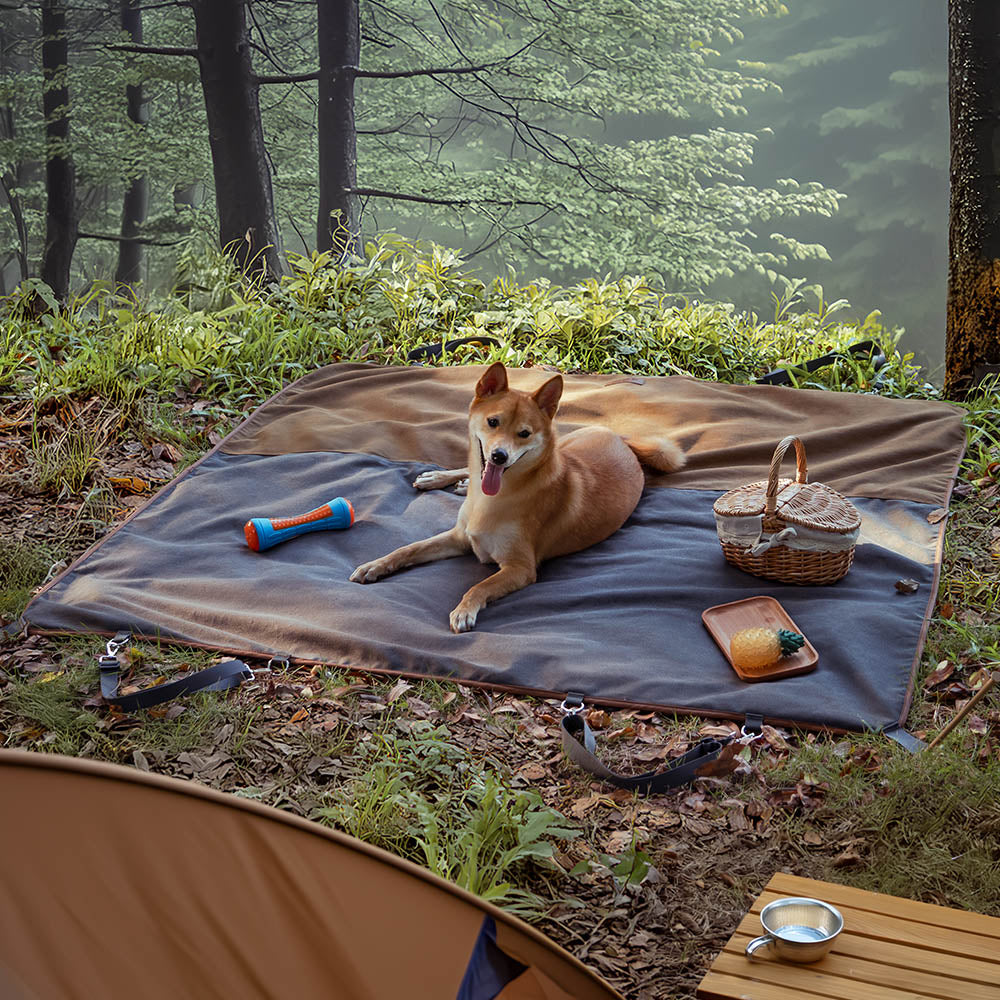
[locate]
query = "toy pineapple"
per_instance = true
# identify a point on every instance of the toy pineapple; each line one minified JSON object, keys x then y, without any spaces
{"x":758,"y":648}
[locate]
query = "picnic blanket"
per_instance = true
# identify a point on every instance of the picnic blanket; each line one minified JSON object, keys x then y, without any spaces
{"x":619,"y":623}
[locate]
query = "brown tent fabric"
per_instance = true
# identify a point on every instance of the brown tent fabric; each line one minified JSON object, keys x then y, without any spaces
{"x":123,"y":884}
{"x":620,"y":622}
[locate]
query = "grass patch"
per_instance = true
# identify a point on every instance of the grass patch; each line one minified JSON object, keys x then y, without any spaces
{"x":922,"y":826}
{"x":51,"y":705}
{"x":23,"y":566}
{"x":428,"y":799}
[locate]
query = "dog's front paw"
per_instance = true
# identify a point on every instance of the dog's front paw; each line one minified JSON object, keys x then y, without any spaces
{"x":369,"y":572}
{"x":463,"y":618}
{"x":435,"y":479}
{"x":462,"y":487}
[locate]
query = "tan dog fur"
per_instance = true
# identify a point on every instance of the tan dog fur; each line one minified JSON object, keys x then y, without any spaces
{"x":556,"y":494}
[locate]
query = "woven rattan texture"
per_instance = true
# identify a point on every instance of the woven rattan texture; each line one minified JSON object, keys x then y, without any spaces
{"x":791,"y":565}
{"x":812,"y":505}
{"x":808,"y":505}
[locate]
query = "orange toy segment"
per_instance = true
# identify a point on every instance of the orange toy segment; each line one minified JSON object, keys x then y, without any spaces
{"x":250,"y":531}
{"x":278,"y":523}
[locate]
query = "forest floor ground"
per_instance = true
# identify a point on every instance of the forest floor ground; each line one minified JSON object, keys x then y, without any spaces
{"x":650,"y":888}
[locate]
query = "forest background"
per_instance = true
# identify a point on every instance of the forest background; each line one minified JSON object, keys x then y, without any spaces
{"x":718,"y":148}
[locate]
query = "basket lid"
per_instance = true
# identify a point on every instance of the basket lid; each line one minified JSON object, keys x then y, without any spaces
{"x":811,"y":505}
{"x":794,"y":501}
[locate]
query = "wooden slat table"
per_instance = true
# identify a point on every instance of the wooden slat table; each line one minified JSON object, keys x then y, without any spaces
{"x":889,"y":949}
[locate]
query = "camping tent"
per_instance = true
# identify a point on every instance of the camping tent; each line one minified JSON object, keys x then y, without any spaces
{"x":120,"y":883}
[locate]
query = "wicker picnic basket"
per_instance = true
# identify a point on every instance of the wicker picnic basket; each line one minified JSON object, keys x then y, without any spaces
{"x":788,"y":530}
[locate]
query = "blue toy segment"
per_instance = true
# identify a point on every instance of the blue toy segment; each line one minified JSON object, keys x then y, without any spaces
{"x":263,"y":533}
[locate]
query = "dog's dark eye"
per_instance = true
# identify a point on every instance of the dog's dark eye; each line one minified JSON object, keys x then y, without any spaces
{"x":524,"y":434}
{"x":493,"y":421}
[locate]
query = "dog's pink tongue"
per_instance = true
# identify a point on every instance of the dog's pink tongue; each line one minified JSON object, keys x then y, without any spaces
{"x":491,"y":478}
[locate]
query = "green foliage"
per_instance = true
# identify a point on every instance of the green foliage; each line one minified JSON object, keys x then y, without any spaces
{"x":402,"y":295}
{"x":428,"y":799}
{"x":543,"y":155}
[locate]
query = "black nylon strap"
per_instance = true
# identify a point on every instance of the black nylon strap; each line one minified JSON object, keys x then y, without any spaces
{"x":781,"y":376}
{"x":579,"y":745}
{"x":435,"y":350}
{"x":218,"y":677}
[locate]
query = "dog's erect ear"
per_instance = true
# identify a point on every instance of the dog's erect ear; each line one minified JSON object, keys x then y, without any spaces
{"x":494,"y":380}
{"x":547,"y":397}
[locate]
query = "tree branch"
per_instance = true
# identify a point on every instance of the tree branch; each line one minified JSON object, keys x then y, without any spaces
{"x":425,"y":200}
{"x":152,"y":50}
{"x":129,"y":239}
{"x":288,"y":78}
{"x":371,"y":74}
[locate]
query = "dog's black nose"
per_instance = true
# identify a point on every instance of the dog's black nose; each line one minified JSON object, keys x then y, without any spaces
{"x":498,"y":456}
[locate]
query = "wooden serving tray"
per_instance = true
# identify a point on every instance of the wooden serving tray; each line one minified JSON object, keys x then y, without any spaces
{"x":758,"y":612}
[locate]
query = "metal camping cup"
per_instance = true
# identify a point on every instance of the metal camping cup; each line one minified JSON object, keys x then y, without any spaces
{"x":799,"y":929}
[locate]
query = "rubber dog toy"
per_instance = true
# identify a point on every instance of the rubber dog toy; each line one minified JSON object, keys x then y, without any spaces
{"x":265,"y":532}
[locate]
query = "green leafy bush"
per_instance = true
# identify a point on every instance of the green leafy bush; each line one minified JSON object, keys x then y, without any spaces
{"x":244,"y":341}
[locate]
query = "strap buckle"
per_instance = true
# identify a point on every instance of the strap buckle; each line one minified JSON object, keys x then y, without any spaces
{"x":116,"y":645}
{"x":572,"y":704}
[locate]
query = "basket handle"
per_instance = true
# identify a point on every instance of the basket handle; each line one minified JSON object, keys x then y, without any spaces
{"x":801,"y":471}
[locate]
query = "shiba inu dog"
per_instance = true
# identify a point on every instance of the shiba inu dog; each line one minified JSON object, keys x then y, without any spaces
{"x":532,"y":494}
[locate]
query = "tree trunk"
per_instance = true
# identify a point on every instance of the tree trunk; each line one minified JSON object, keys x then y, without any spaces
{"x":339,"y":41}
{"x":972,"y":342}
{"x":136,"y":201}
{"x":8,"y":182}
{"x":243,"y":194}
{"x":60,"y":176}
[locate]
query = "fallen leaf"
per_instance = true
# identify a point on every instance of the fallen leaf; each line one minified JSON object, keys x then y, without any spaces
{"x":846,"y":858}
{"x":581,"y":807}
{"x":618,"y":841}
{"x":722,"y":765}
{"x":129,"y":484}
{"x":598,"y":719}
{"x":699,"y":827}
{"x":941,"y":673}
{"x":533,"y":772}
{"x":977,"y":724}
{"x":162,"y":451}
{"x":302,"y":713}
{"x":398,"y":690}
{"x":937,"y":515}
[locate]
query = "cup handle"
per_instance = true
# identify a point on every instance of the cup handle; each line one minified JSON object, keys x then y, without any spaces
{"x":765,"y":941}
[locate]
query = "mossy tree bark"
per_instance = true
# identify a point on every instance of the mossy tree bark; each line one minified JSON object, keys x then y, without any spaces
{"x":972,"y":343}
{"x":61,"y":221}
{"x":135,"y":204}
{"x":339,"y":37}
{"x":244,"y":196}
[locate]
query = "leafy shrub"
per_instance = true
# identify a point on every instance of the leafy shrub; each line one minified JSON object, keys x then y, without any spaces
{"x":244,"y":340}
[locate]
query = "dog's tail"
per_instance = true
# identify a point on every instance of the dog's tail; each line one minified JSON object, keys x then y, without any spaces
{"x":660,"y":454}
